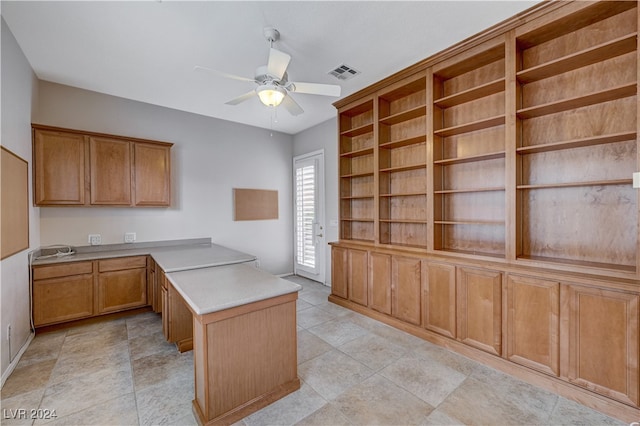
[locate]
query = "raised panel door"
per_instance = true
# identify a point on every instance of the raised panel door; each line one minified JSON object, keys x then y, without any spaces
{"x":480,"y":309}
{"x":406,"y":288}
{"x":119,"y":290}
{"x":532,"y":325}
{"x":59,"y":168}
{"x":152,"y":175}
{"x":380,"y":282}
{"x":110,"y":171}
{"x":180,"y":320}
{"x":62,"y":299}
{"x":603,"y":342}
{"x":339,"y":269}
{"x":358,"y":276}
{"x":440,"y":299}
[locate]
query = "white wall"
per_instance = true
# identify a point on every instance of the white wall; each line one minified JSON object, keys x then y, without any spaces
{"x":324,"y":136}
{"x":209,"y":158}
{"x":18,"y":95}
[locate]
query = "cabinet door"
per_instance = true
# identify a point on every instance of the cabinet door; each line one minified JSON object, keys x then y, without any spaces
{"x":407,"y":284}
{"x":440,"y":299}
{"x":59,"y":168}
{"x":480,"y":309}
{"x":358,"y":276}
{"x":110,"y":171}
{"x":152,"y":175}
{"x":532,"y":324}
{"x":118,"y":290}
{"x":602,"y":345}
{"x":180,"y":319}
{"x":62,"y":299}
{"x":339,"y":269}
{"x":380,"y":283}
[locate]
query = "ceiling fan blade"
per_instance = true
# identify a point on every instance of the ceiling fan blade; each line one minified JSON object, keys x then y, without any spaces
{"x":291,"y":106}
{"x":278,"y":63}
{"x":242,"y":98}
{"x":222,"y":74}
{"x":316,"y":89}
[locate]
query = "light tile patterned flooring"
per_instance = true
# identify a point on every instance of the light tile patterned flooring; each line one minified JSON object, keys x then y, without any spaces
{"x":354,"y":371}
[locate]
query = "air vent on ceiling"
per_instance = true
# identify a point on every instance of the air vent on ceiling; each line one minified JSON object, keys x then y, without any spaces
{"x":344,"y":72}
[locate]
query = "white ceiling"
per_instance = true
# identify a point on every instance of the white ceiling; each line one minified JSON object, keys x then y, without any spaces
{"x":147,"y":50}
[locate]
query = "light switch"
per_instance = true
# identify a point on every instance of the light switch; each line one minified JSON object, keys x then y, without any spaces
{"x":636,"y":180}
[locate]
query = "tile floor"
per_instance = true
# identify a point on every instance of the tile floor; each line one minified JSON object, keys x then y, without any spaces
{"x":354,"y":371}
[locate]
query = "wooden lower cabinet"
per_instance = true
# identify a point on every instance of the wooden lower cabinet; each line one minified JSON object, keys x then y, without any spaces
{"x":177,"y":320}
{"x":339,"y":272}
{"x":62,"y":299}
{"x":601,"y":346}
{"x":406,"y":285}
{"x":122,"y":284}
{"x":576,"y":336}
{"x":380,"y":282}
{"x":533,"y":307}
{"x":357,"y":271}
{"x":439,"y":298}
{"x":479,"y":306}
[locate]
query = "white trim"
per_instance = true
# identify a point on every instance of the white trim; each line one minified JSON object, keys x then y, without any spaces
{"x":16,"y":360}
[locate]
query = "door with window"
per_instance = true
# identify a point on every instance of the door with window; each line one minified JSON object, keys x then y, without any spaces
{"x":309,"y":227}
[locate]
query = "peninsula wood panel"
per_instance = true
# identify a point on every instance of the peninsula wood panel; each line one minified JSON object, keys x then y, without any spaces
{"x":15,"y":203}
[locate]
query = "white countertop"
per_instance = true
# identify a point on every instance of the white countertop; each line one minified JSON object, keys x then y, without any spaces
{"x":195,"y":257}
{"x":209,"y":290}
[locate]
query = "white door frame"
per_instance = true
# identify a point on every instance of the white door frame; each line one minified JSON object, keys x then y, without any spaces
{"x":320,"y":229}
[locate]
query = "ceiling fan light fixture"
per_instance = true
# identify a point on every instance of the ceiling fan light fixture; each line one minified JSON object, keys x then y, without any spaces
{"x":270,"y":94}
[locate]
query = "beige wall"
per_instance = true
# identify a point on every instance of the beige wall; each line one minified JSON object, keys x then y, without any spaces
{"x":18,"y":96}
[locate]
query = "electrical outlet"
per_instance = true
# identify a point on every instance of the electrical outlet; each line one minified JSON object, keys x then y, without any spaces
{"x":95,"y":239}
{"x":130,"y":237}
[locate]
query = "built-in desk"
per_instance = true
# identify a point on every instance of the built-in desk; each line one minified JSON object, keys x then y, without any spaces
{"x":244,"y":339}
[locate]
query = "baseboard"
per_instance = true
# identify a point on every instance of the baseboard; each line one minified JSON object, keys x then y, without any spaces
{"x":16,"y":360}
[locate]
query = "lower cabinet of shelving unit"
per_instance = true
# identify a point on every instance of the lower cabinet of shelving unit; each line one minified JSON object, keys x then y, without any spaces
{"x":440,"y":299}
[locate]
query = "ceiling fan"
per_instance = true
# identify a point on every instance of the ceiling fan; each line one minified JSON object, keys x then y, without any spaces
{"x":274,"y":87}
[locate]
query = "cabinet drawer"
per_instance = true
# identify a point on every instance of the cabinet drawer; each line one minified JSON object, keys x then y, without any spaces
{"x":121,"y":263}
{"x":62,"y":270}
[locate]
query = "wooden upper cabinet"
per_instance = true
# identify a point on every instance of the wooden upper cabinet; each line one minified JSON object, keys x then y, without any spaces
{"x":75,"y":168}
{"x":152,"y":174}
{"x":59,"y":168}
{"x":110,"y":171}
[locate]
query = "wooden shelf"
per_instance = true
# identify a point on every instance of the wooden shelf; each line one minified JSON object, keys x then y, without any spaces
{"x":471,"y":127}
{"x":459,"y":191}
{"x":614,"y":93}
{"x":578,"y":184}
{"x":354,"y":175}
{"x":406,"y":194}
{"x":347,"y":219}
{"x":404,"y":142}
{"x":412,"y":113}
{"x":474,"y":253}
{"x":597,"y":265}
{"x":357,"y":153}
{"x":404,"y":168}
{"x":586,"y":57}
{"x":472,"y":94}
{"x":422,"y":221}
{"x":469,"y":222}
{"x":470,"y":158}
{"x":357,"y":197}
{"x":578,"y":143}
{"x":357,"y":131}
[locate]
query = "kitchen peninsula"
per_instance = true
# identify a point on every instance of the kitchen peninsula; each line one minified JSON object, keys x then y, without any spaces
{"x":239,"y":320}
